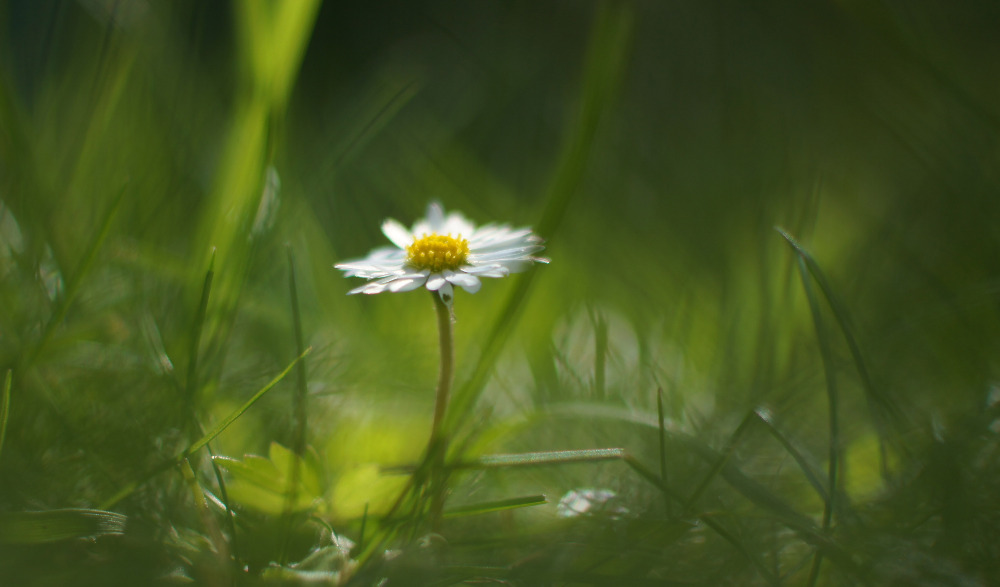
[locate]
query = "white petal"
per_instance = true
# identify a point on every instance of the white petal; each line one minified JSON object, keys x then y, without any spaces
{"x":406,"y":284}
{"x":490,"y":270}
{"x":497,"y":256}
{"x":369,"y":288}
{"x":491,"y":233}
{"x":397,"y":233}
{"x":456,"y":224}
{"x":434,"y":282}
{"x":379,"y":263}
{"x":447,"y":294}
{"x":469,"y":283}
{"x":492,"y":237}
{"x":519,"y":265}
{"x":435,"y":217}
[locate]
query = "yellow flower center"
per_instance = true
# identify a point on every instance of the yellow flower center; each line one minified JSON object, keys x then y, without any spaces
{"x":438,"y":252}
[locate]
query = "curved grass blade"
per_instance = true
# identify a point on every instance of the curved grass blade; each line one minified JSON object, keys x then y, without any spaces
{"x":882,"y":408}
{"x":201,"y":442}
{"x":56,"y":525}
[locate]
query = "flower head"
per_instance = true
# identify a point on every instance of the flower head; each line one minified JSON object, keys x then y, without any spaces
{"x":442,"y":251}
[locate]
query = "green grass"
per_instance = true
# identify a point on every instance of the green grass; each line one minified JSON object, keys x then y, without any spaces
{"x":190,"y":397}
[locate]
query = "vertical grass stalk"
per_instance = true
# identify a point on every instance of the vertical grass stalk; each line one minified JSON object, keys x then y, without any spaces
{"x":663,"y":447}
{"x":5,"y":406}
{"x":299,"y":409}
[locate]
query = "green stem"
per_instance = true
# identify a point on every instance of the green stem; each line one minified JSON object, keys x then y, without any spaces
{"x":438,"y":444}
{"x":447,"y":371}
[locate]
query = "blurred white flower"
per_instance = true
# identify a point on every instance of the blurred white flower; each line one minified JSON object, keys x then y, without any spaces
{"x":442,"y":251}
{"x":589,"y":501}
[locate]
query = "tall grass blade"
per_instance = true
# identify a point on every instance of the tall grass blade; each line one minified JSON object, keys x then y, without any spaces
{"x":5,"y":407}
{"x":298,"y":408}
{"x":605,"y":60}
{"x":301,"y":397}
{"x":829,"y":370}
{"x":191,"y":387}
{"x":600,"y":354}
{"x":194,"y":343}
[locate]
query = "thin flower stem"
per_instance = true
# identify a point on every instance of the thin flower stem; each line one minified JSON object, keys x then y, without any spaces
{"x":438,"y":445}
{"x":447,"y":371}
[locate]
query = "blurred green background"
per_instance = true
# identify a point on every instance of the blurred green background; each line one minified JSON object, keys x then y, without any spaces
{"x":655,"y":146}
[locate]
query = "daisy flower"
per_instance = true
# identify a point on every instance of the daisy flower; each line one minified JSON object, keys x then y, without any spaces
{"x":442,"y":251}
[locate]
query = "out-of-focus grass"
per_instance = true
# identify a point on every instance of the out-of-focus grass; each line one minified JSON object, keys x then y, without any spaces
{"x":159,"y":161}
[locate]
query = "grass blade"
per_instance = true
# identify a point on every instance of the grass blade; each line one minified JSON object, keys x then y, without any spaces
{"x":300,"y":371}
{"x":496,"y":506}
{"x":826,"y":354}
{"x":298,"y":408}
{"x":765,"y":418}
{"x":194,"y":344}
{"x":881,"y":406}
{"x":720,"y":462}
{"x":530,"y":459}
{"x":56,"y":525}
{"x":246,"y":406}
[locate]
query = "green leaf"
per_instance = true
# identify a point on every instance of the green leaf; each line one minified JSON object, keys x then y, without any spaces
{"x":266,"y":484}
